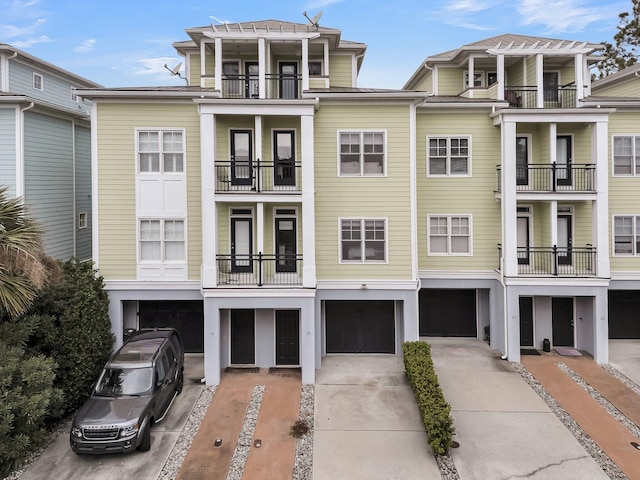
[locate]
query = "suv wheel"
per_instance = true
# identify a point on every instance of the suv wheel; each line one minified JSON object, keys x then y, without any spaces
{"x":145,"y":444}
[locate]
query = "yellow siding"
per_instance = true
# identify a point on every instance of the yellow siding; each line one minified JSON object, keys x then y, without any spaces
{"x":385,"y":197}
{"x":628,"y":87}
{"x":450,"y":81}
{"x":567,"y":75}
{"x":426,"y":83}
{"x":116,"y":177}
{"x":624,"y":196}
{"x":515,"y":74}
{"x":472,"y":195}
{"x":531,"y":71}
{"x":341,"y":70}
{"x":194,"y":70}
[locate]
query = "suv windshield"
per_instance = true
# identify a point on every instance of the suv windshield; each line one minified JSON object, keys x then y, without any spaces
{"x":115,"y":382}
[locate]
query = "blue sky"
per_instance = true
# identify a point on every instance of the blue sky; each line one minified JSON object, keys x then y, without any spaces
{"x":127,"y":42}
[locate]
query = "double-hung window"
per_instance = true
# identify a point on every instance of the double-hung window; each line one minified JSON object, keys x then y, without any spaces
{"x":449,"y":234}
{"x":162,"y":240}
{"x":363,"y":240}
{"x":626,"y":155}
{"x":626,"y":235}
{"x":160,"y":151}
{"x":449,"y":156}
{"x":361,"y":153}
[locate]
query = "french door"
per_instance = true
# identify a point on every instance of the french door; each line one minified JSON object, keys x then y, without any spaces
{"x":285,"y":244}
{"x":241,"y":244}
{"x":563,"y":160}
{"x":288,"y":80}
{"x":252,"y":80}
{"x":565,"y":238}
{"x":284,"y":158}
{"x":241,"y":155}
{"x":522,"y":161}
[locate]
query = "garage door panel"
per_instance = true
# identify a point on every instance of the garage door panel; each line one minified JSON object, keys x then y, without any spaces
{"x":447,"y":313}
{"x":624,"y":314}
{"x":186,"y":317}
{"x":360,"y":326}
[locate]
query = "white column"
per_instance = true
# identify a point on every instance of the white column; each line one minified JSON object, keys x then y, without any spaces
{"x":501,"y":79}
{"x":553,"y":218}
{"x":218,"y":63}
{"x":258,"y":138}
{"x":211,"y":342}
{"x":203,"y":64}
{"x":579,"y":68}
{"x":553,"y":148}
{"x":509,"y":202}
{"x":540,"y":81}
{"x":208,"y":199}
{"x":325,"y":51}
{"x":260,"y":227}
{"x":471,"y":82}
{"x":305,"y":64}
{"x":308,"y":203}
{"x":599,"y":156}
{"x":307,"y":343}
{"x":262,"y":68}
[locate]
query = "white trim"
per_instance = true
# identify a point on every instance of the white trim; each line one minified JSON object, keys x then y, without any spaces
{"x":95,"y":221}
{"x":411,"y":285}
{"x":448,"y":173}
{"x":144,"y":285}
{"x":363,"y":260}
{"x":361,"y":161}
{"x":461,"y":275}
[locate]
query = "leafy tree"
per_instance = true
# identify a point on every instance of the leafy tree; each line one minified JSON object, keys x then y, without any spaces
{"x":22,"y":271}
{"x":28,"y":398}
{"x":74,"y":329}
{"x":624,"y":52}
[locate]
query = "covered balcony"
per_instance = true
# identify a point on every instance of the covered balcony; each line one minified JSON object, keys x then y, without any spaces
{"x":277,"y":86}
{"x":257,"y":177}
{"x":554,"y":261}
{"x":553,"y":178}
{"x":563,"y":96}
{"x":259,"y":270}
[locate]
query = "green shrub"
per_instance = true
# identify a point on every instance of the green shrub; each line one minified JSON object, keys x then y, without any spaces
{"x":74,"y":329}
{"x":434,"y":410}
{"x":28,"y":397}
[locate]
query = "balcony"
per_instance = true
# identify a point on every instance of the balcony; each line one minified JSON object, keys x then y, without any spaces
{"x":553,"y":97}
{"x":554,"y":261}
{"x":244,"y":176}
{"x":287,"y":86}
{"x":552,"y":178}
{"x":259,"y":270}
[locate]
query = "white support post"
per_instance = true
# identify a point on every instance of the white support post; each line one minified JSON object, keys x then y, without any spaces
{"x":308,"y":203}
{"x":553,"y":149}
{"x":509,"y":202}
{"x":305,"y":64}
{"x":501,"y":79}
{"x":601,"y":207}
{"x":212,"y":341}
{"x":203,"y":64}
{"x":539,"y":81}
{"x":471,"y":73}
{"x":262,"y":68}
{"x":553,"y":219}
{"x":208,"y":182}
{"x":579,"y":69}
{"x":218,"y":64}
{"x":260,"y":227}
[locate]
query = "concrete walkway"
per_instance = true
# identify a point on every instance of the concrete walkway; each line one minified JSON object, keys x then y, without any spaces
{"x":504,"y":429}
{"x":367,"y":424}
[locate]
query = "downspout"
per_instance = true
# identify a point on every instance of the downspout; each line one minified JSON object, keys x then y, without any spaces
{"x":4,"y":73}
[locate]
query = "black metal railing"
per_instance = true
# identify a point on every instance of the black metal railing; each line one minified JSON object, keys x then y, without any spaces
{"x":258,"y":176}
{"x":281,"y":86}
{"x":258,"y":270}
{"x":555,"y":261}
{"x":553,"y":97}
{"x":553,"y":177}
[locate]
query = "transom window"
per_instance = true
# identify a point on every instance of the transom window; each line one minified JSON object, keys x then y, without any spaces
{"x":626,"y":155}
{"x":362,"y":153}
{"x":162,"y":240}
{"x":449,"y":234}
{"x":160,"y":151}
{"x":626,"y":235}
{"x":363,"y":240}
{"x":448,"y":156}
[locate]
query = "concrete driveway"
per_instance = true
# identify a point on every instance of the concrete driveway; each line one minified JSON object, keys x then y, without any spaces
{"x":624,"y":356}
{"x":59,"y":462}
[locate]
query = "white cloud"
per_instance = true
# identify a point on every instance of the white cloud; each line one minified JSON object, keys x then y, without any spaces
{"x":466,"y":6}
{"x":85,"y":46}
{"x":12,"y":31}
{"x":218,"y":20}
{"x":31,"y":41}
{"x":155,"y":67}
{"x":322,"y":3}
{"x":573,"y":16}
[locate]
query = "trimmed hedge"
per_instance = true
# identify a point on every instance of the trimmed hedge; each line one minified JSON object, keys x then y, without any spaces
{"x":434,"y":410}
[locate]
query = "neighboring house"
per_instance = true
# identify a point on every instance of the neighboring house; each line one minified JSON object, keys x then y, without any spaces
{"x":45,"y":149}
{"x":274,"y":212}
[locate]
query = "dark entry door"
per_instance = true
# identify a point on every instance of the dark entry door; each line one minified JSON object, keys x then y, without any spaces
{"x":565,"y":239}
{"x":550,"y":87}
{"x":285,"y":244}
{"x":241,"y":154}
{"x":563,"y":160}
{"x":522,"y":161}
{"x":526,"y":321}
{"x":287,"y":337}
{"x":283,"y":158}
{"x":360,"y":326}
{"x":562,"y":321}
{"x":288,"y":80}
{"x":243,"y":337}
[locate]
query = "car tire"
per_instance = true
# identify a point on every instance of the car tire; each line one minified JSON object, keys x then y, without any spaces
{"x":145,"y":444}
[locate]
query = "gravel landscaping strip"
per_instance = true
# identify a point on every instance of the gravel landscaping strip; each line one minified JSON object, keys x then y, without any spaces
{"x":181,"y":448}
{"x":303,"y":464}
{"x":623,"y":378}
{"x":601,"y":458}
{"x":447,"y":468}
{"x":236,"y":469}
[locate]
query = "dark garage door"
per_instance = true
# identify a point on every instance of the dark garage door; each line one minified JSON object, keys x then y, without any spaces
{"x":185,"y":316}
{"x":360,"y":326}
{"x":624,"y":314}
{"x":447,"y":313}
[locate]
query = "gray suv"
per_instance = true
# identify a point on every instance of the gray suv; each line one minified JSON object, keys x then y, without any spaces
{"x":135,"y":390}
